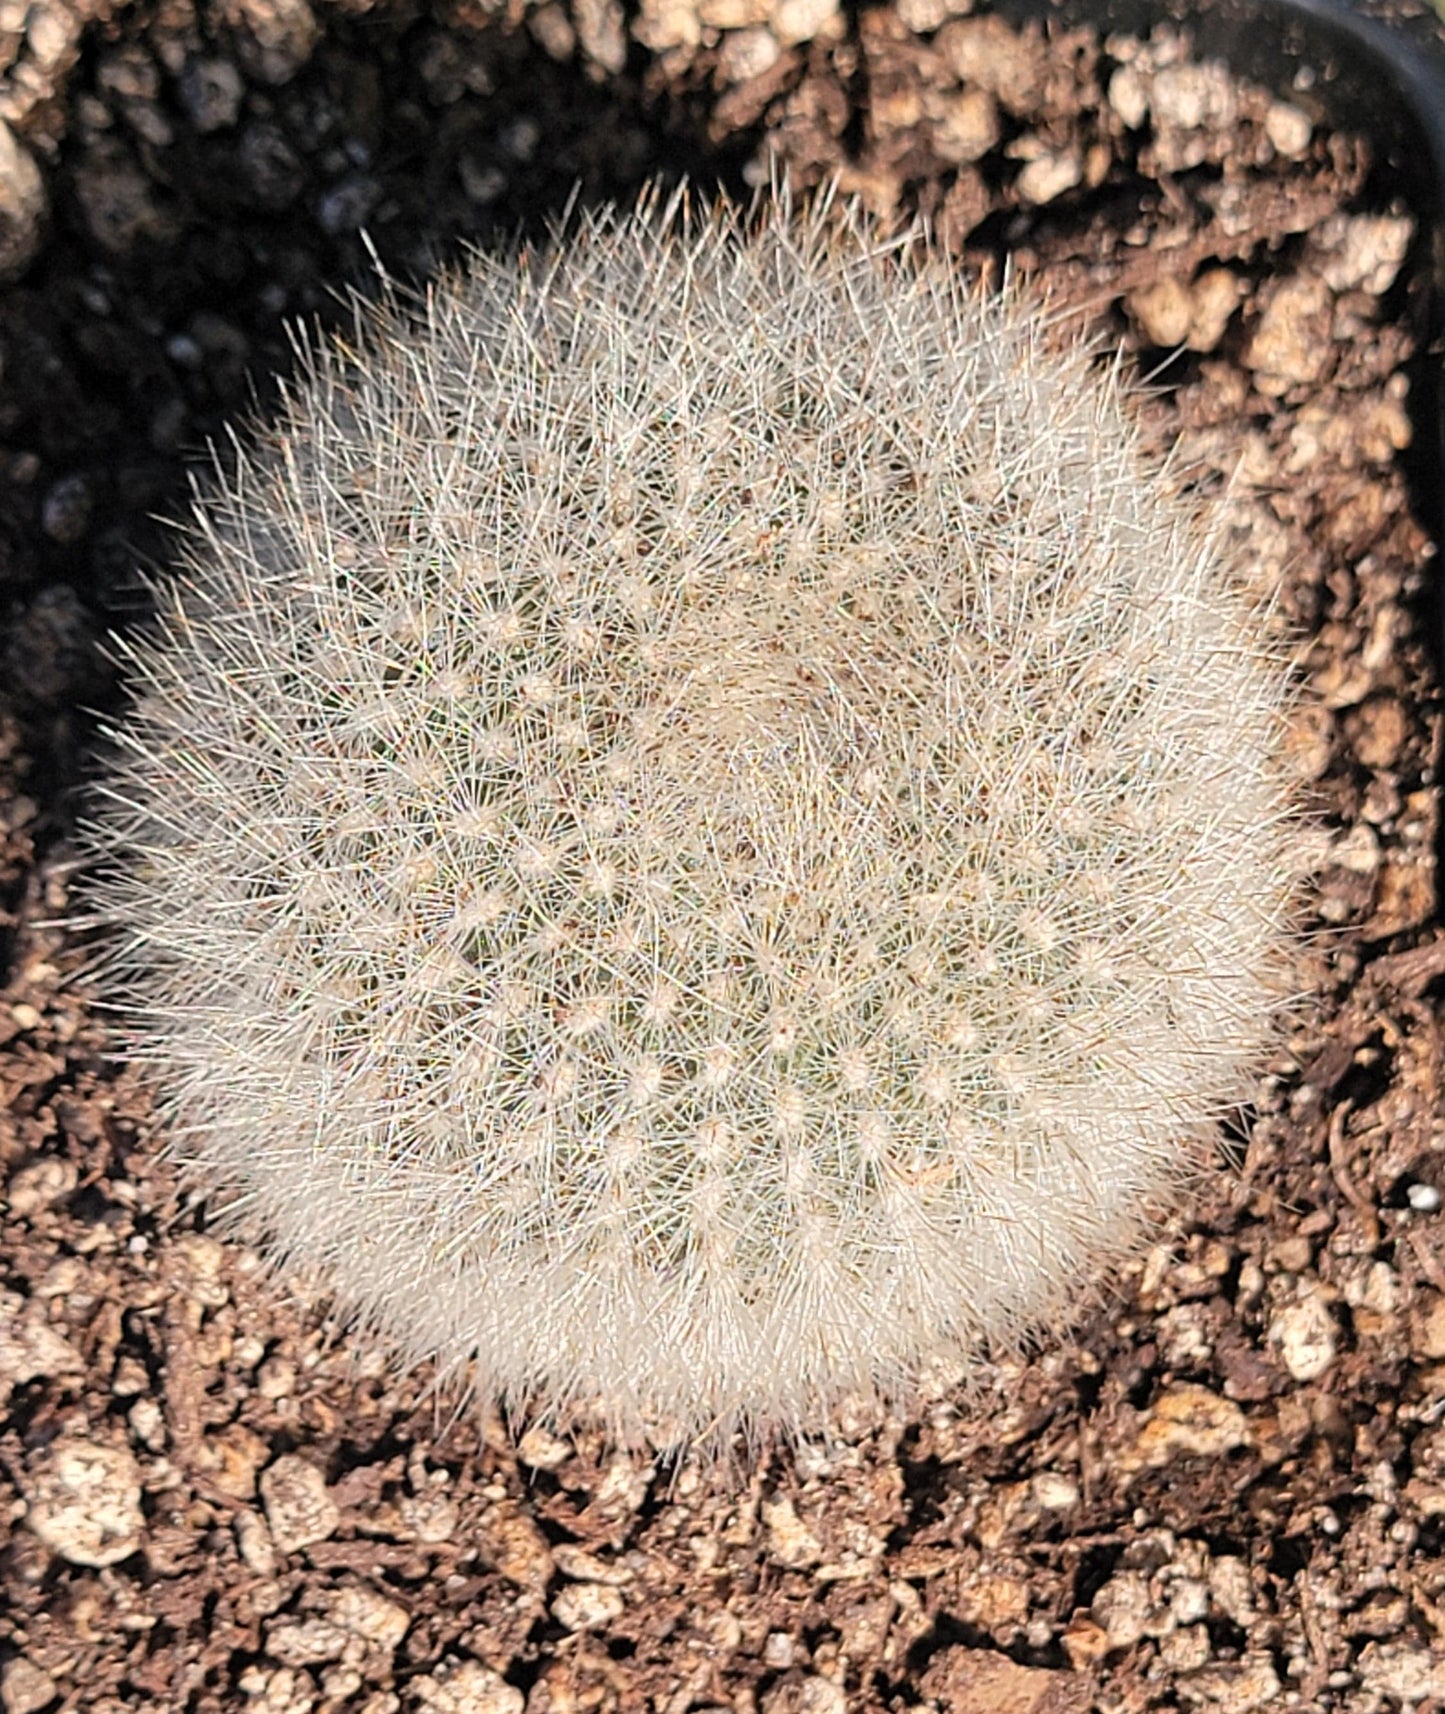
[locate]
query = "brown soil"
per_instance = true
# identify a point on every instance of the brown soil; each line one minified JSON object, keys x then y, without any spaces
{"x":1226,"y":1490}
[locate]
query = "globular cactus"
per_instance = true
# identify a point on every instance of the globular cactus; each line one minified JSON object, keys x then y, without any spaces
{"x":702,"y":828}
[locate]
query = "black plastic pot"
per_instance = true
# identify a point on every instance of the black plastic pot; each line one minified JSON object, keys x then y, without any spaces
{"x":1355,"y":73}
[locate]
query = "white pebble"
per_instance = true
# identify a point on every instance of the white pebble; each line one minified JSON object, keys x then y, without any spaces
{"x":1289,"y":128}
{"x":83,"y":1501}
{"x":1050,"y":176}
{"x":587,"y":1606}
{"x":464,"y":1687}
{"x":298,"y":1508}
{"x":1129,"y":96}
{"x":1307,"y":1337}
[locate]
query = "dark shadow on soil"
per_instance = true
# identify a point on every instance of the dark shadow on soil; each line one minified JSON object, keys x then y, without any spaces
{"x":183,"y":256}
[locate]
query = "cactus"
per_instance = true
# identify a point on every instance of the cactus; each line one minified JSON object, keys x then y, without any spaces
{"x":701,"y":827}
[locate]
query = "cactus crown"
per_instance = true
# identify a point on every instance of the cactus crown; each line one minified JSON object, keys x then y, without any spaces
{"x":701,"y":828}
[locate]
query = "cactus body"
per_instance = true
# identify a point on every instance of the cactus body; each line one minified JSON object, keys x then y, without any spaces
{"x":700,"y":829}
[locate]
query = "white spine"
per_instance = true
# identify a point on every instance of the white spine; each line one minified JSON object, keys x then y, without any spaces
{"x":700,"y":826}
